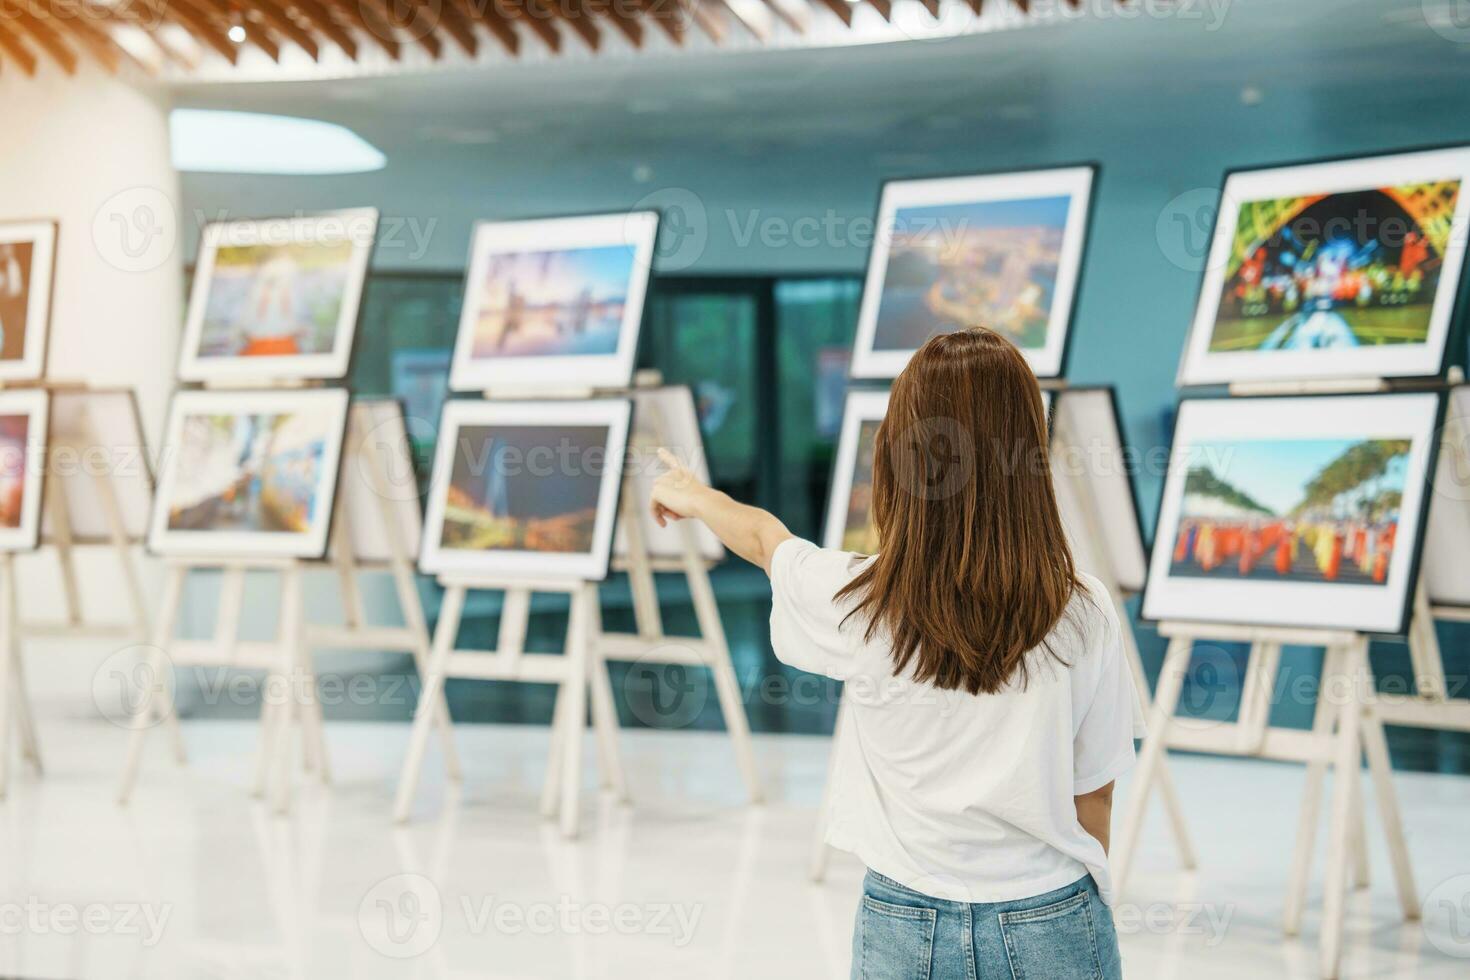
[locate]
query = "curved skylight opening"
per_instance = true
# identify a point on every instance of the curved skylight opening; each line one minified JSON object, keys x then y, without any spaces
{"x":215,"y":141}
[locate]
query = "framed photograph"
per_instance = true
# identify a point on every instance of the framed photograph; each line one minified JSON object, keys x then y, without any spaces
{"x":377,"y":469}
{"x":97,"y":436}
{"x":672,"y":408}
{"x":526,"y":488}
{"x":249,"y":474}
{"x":998,"y":250}
{"x":1087,"y":439}
{"x":277,"y":297}
{"x":849,"y":525}
{"x":27,"y":274}
{"x":1340,"y":269}
{"x":23,"y":441}
{"x":554,"y":302}
{"x":1447,"y":542}
{"x":1298,"y":512}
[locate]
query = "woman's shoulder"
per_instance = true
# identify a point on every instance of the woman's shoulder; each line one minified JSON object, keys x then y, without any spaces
{"x":1091,"y":616}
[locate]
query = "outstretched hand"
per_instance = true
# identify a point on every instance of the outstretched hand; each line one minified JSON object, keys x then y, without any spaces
{"x":676,"y":492}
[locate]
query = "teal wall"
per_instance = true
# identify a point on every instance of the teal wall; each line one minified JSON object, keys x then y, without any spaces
{"x":787,"y":144}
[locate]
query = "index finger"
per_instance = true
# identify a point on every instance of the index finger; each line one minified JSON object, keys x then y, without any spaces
{"x":669,"y":459}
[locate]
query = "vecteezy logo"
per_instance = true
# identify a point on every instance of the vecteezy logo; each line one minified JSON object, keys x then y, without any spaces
{"x":134,"y":686}
{"x":135,"y":230}
{"x":401,"y":916}
{"x":1450,"y":19}
{"x":666,"y":695}
{"x":1183,"y":228}
{"x":683,"y":227}
{"x":1447,"y":916}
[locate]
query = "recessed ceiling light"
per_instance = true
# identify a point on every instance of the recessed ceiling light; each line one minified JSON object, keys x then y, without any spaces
{"x":237,"y":33}
{"x":212,"y":141}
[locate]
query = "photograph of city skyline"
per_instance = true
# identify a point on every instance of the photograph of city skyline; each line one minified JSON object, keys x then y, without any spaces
{"x":951,"y":266}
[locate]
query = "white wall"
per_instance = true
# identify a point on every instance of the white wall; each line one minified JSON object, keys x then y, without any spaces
{"x":93,"y":153}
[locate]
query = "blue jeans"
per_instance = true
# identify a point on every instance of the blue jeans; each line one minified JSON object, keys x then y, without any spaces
{"x":1062,"y":935}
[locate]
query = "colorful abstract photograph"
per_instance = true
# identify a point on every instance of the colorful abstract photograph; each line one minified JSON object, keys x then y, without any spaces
{"x":1301,"y":510}
{"x":249,"y":471}
{"x":14,"y":430}
{"x":15,"y":298}
{"x":552,"y":303}
{"x":525,"y":488}
{"x":1342,"y":270}
{"x":952,"y":266}
{"x":275,"y":300}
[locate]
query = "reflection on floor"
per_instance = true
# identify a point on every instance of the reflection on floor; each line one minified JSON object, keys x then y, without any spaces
{"x":195,"y":879}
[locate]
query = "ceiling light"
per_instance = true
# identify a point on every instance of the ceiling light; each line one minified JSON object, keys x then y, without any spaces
{"x":237,"y":33}
{"x":212,"y":141}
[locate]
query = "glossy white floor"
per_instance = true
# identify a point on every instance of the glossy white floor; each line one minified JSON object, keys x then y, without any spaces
{"x":195,"y":879}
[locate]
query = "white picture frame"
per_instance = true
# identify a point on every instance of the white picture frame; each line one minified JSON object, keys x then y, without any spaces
{"x":28,"y":287}
{"x":1005,"y":194}
{"x":28,"y":452}
{"x":636,"y":231}
{"x":319,"y":413}
{"x":1447,"y":541}
{"x":861,"y":408}
{"x":673,"y":406}
{"x":355,"y":228}
{"x":119,"y":452}
{"x":1219,"y":434}
{"x":381,"y":420}
{"x":1097,"y":450}
{"x":599,"y":466}
{"x":1200,"y":366}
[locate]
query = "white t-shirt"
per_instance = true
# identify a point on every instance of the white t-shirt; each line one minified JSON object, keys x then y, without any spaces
{"x":959,"y":796}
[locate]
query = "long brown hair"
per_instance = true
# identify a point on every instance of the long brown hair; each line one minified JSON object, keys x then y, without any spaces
{"x":973,"y":568}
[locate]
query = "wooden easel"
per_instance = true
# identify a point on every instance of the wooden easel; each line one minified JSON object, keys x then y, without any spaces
{"x":1093,"y":545}
{"x":12,"y":681}
{"x":285,"y":659}
{"x":1358,"y":730}
{"x":580,"y":672}
{"x":356,"y":633}
{"x":650,"y":644}
{"x":1347,"y":725}
{"x":1430,"y":705}
{"x":571,"y":671}
{"x":57,"y":525}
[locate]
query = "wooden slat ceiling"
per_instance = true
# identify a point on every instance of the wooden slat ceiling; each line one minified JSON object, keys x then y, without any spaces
{"x":150,"y":35}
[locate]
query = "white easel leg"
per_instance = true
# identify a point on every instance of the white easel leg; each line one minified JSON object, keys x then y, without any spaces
{"x":25,"y":719}
{"x":1324,"y":717}
{"x":269,"y":740}
{"x":1346,"y":763}
{"x":294,"y":700}
{"x":8,"y":658}
{"x":604,"y":710}
{"x":313,"y":726}
{"x":1166,"y":699}
{"x":727,"y":685}
{"x":445,"y":633}
{"x":1361,"y":877}
{"x":551,"y":786}
{"x":158,"y":688}
{"x":575,"y":692}
{"x":413,"y":617}
{"x":817,"y":863}
{"x":1168,"y":793}
{"x":1376,"y":746}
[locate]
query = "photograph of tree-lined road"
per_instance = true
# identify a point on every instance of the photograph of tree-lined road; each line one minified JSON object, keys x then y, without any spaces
{"x":1302,"y":510}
